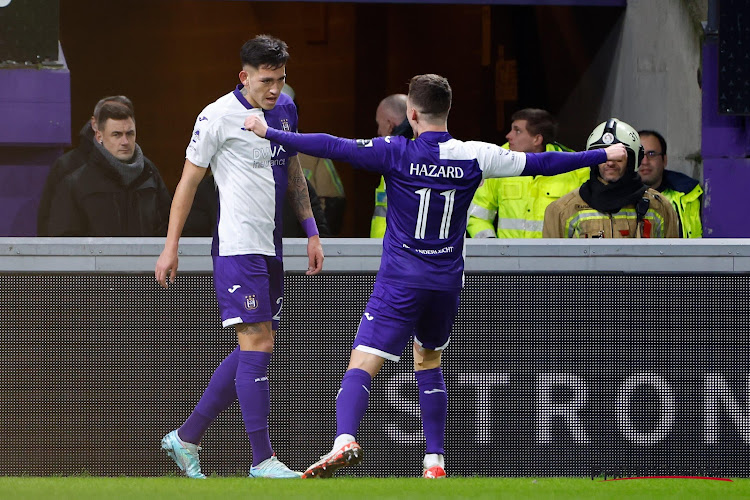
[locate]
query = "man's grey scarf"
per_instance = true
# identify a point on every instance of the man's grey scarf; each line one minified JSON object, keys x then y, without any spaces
{"x":128,"y":171}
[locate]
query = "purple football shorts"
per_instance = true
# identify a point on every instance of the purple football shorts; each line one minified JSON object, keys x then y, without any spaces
{"x":393,"y":315}
{"x":249,"y":288}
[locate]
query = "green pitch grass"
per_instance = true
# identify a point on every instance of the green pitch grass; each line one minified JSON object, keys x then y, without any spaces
{"x":227,"y":488}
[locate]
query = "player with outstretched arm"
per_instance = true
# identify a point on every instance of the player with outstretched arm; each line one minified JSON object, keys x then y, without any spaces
{"x":431,"y":181}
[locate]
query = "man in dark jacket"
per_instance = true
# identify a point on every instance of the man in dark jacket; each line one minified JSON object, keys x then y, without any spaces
{"x":114,"y":190}
{"x":684,"y":192}
{"x":71,"y":161}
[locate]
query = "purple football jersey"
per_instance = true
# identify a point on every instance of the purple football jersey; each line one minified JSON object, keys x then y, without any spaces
{"x":428,"y":200}
{"x":431,"y":182}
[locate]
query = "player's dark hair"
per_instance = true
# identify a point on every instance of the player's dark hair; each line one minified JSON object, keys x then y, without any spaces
{"x":431,"y":95}
{"x":264,"y":50}
{"x":114,"y":111}
{"x":659,"y":137}
{"x":538,"y":122}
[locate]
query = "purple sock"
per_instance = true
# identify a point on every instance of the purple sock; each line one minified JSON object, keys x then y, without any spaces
{"x":217,"y":397}
{"x":254,"y":394}
{"x":433,"y":401}
{"x":351,"y":402}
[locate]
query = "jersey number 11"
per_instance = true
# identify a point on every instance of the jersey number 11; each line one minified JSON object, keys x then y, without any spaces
{"x":424,"y":208}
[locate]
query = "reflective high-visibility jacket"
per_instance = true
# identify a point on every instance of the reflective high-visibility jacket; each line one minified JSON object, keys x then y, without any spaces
{"x":377,"y":226}
{"x":519,"y":202}
{"x":325,"y":180}
{"x":571,"y":217}
{"x":685,"y":194}
{"x":378,"y":223}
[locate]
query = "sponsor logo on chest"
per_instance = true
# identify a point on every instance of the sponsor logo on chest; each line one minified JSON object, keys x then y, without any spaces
{"x":266,"y":157}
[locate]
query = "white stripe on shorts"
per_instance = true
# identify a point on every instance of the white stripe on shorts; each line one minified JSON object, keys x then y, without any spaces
{"x":231,"y":321}
{"x":377,"y":352}
{"x":437,"y":348}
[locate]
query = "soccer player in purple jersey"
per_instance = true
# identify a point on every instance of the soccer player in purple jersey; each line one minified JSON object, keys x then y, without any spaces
{"x":252,"y":176}
{"x":431,"y":181}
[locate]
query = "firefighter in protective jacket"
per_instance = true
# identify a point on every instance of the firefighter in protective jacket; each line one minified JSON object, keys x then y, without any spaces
{"x":613,"y":203}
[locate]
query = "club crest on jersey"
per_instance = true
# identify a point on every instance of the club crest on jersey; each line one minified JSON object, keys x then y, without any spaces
{"x":285,"y":125}
{"x":250,"y":302}
{"x":364,"y":143}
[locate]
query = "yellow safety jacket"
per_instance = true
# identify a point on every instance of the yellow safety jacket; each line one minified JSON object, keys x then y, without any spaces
{"x":378,"y":223}
{"x":322,"y":174}
{"x":685,"y":194}
{"x":519,"y":202}
{"x":377,"y":226}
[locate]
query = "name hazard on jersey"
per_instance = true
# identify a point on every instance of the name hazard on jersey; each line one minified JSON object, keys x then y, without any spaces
{"x":436,"y":170}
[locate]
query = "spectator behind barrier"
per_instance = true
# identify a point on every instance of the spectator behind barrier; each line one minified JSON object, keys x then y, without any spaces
{"x":513,"y":207}
{"x":684,"y":192}
{"x":613,"y":203}
{"x":114,"y":190}
{"x":391,"y":119}
{"x":327,"y":193}
{"x":72,"y":160}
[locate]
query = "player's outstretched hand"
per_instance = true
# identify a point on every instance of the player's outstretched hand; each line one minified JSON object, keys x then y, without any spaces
{"x":616,"y":152}
{"x":314,"y":255}
{"x":167,"y":264}
{"x":256,"y":125}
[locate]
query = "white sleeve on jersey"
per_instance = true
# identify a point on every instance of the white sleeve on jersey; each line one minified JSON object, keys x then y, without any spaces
{"x":496,"y":161}
{"x":205,"y":141}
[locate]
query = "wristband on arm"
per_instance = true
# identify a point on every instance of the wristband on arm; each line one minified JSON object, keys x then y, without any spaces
{"x":311,"y":229}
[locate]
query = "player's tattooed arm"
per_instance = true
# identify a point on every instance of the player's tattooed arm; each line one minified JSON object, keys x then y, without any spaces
{"x":299,"y":199}
{"x":296,"y":191}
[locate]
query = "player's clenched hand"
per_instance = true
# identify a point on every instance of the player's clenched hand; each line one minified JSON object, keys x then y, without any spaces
{"x":616,"y":152}
{"x":314,"y":255}
{"x":166,"y":264}
{"x":256,"y":125}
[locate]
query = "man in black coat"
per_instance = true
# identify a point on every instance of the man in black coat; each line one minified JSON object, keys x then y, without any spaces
{"x":107,"y":187}
{"x":71,"y":161}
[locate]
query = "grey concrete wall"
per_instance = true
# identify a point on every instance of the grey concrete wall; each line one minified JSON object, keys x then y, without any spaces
{"x":646,"y":73}
{"x":354,"y":255}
